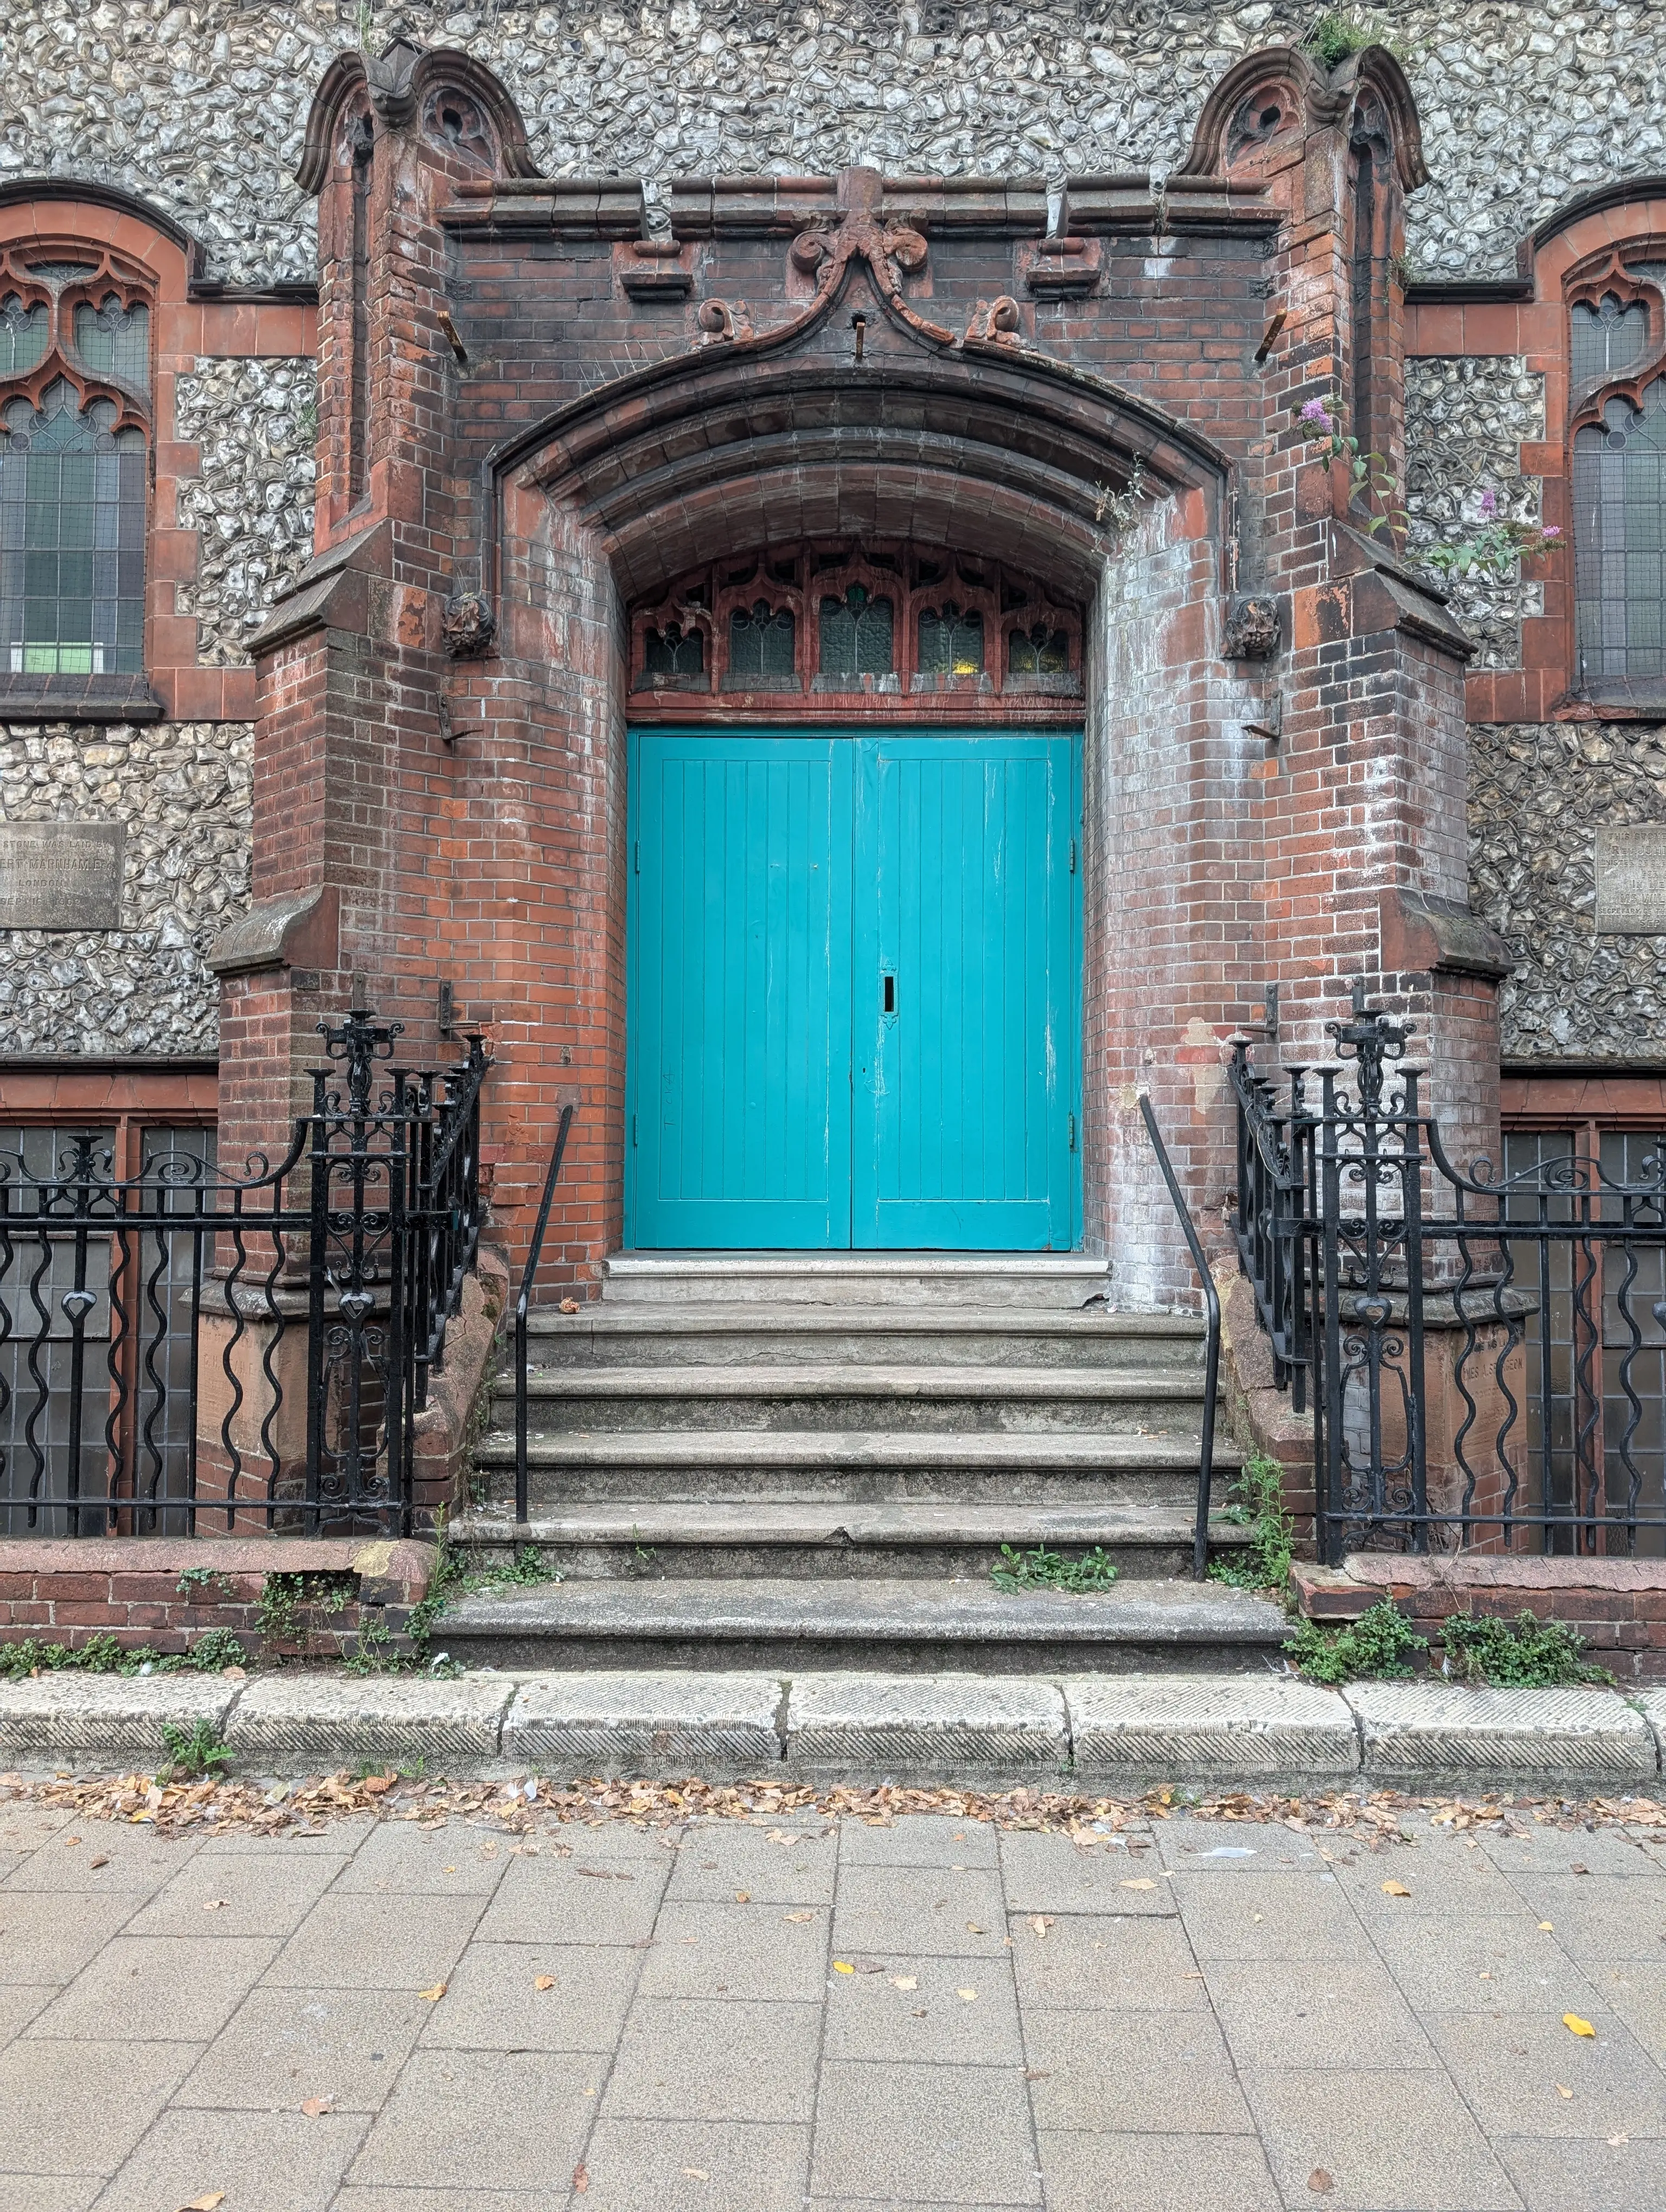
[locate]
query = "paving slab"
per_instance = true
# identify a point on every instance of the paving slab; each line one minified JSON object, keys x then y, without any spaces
{"x":293,"y":1723}
{"x":582,"y":1723}
{"x":93,"y":1720}
{"x":933,"y":1728}
{"x":1651,"y":1704}
{"x":1208,"y":1728}
{"x":1442,"y":1731}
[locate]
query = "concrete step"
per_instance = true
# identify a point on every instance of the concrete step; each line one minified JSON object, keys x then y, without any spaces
{"x":660,"y":1539}
{"x":1058,"y":1465}
{"x":960,"y":1399}
{"x":727,"y":1333}
{"x":895,"y":1624}
{"x":1062,"y":1281}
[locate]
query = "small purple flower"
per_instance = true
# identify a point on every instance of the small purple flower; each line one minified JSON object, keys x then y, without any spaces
{"x":1314,"y":411}
{"x":1552,"y":532}
{"x":1489,"y":504}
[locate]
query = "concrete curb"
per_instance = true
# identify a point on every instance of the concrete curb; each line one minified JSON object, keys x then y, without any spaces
{"x":1102,"y":1731}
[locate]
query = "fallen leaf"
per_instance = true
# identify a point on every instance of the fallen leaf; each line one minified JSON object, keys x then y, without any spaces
{"x":1575,"y":2025}
{"x":972,"y":1928}
{"x":580,"y":2177}
{"x":433,"y":1995}
{"x":1395,"y":1889}
{"x":206,"y":2203}
{"x":452,"y":1870}
{"x":214,"y":1905}
{"x":570,"y":1305}
{"x":544,"y":1981}
{"x":799,"y":1915}
{"x":1140,"y":1881}
{"x":741,"y":1897}
{"x":842,"y":1966}
{"x":1545,"y":1928}
{"x":1561,"y":2092}
{"x":1040,"y":1923}
{"x":1319,"y":2182}
{"x":70,"y":1842}
{"x":103,"y":1859}
{"x":1576,"y":1868}
{"x":968,"y":1996}
{"x":1035,"y":2074}
{"x":697,"y":2174}
{"x":314,"y":2107}
{"x":905,"y":1981}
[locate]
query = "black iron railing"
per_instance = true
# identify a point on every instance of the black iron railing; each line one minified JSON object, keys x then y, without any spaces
{"x":523,"y":1305}
{"x":1206,"y":1461}
{"x":183,"y":1349}
{"x":1484,"y":1350}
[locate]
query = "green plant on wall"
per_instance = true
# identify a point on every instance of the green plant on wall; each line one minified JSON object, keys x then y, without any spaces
{"x":1523,"y":1654}
{"x":1380,"y":1644}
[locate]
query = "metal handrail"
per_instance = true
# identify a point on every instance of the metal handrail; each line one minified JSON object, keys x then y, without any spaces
{"x":1206,"y":1470}
{"x":533,"y":1256}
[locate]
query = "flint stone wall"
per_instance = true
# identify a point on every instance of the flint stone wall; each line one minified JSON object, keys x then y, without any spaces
{"x":1465,"y":422}
{"x":255,"y":422}
{"x":1538,"y":795}
{"x":183,"y":790}
{"x":203,"y":108}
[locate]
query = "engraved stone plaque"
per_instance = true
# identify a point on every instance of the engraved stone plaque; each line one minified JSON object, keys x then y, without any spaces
{"x":1630,"y":881}
{"x":61,"y":875}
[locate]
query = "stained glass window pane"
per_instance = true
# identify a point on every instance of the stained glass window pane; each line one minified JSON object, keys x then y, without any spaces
{"x":1607,"y":339}
{"x":72,"y":509}
{"x":1038,"y":651}
{"x":951,"y":642}
{"x":856,"y":635}
{"x":1620,"y":539}
{"x":115,"y":341}
{"x":673,"y":652}
{"x":761,"y":640}
{"x":23,"y":334}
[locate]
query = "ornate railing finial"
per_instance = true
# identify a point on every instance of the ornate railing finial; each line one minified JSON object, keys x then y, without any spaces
{"x":1371,"y":1039}
{"x":361,"y":1042}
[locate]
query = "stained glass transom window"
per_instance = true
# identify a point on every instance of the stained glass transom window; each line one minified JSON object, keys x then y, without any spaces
{"x":856,"y":634}
{"x":951,"y":642}
{"x":1606,"y":338}
{"x":761,"y":640}
{"x":1038,"y":651}
{"x":24,"y":332}
{"x":115,"y":341}
{"x":72,"y":516}
{"x":1620,"y":539}
{"x":673,"y":651}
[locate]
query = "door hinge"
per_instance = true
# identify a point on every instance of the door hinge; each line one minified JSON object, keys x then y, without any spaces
{"x":1072,"y":856}
{"x":1070,"y":1124}
{"x":633,"y":1130}
{"x":636,"y":857}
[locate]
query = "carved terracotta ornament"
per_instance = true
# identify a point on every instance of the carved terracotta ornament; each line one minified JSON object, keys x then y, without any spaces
{"x":721,"y":319}
{"x":468,"y":624}
{"x":995,"y":322}
{"x":1252,"y":626}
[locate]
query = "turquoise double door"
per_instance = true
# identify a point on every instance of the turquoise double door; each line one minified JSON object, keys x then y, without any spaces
{"x":853,"y":991}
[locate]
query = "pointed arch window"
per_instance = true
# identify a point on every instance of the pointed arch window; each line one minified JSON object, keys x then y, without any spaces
{"x":75,"y":383}
{"x":1619,"y":542}
{"x":857,"y":635}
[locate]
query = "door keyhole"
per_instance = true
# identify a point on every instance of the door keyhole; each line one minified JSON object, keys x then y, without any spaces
{"x":890,"y":995}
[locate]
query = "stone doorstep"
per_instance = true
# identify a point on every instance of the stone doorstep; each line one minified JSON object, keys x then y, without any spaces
{"x":1124,"y":1730}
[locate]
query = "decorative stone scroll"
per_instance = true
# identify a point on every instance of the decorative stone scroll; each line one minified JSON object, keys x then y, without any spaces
{"x":61,"y":875}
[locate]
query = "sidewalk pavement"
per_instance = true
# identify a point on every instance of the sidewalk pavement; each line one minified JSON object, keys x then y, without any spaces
{"x":1175,"y":2016}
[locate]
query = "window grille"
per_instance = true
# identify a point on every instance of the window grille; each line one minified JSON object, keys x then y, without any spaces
{"x":24,"y":333}
{"x":951,"y":642}
{"x":673,"y":651}
{"x":1620,"y":539}
{"x":856,"y":634}
{"x":761,"y":641}
{"x":1606,"y":339}
{"x":115,"y":341}
{"x":72,"y":521}
{"x":1038,"y":651}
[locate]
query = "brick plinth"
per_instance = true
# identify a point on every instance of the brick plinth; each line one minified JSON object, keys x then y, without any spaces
{"x":69,"y":1592}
